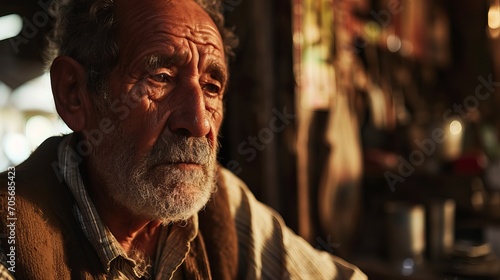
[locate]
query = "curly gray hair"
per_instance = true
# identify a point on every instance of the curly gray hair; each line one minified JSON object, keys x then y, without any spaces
{"x":85,"y":31}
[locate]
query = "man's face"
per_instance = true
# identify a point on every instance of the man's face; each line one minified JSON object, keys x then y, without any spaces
{"x":166,"y":100}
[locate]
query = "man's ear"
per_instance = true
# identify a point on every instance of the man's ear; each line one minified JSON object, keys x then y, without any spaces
{"x":68,"y":80}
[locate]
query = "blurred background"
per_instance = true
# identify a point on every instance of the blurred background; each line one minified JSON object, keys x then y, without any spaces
{"x":371,"y":126}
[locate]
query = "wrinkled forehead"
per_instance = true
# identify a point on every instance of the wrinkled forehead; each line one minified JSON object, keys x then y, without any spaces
{"x":149,"y":18}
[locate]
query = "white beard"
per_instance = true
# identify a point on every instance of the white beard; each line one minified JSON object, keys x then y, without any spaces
{"x":150,"y":187}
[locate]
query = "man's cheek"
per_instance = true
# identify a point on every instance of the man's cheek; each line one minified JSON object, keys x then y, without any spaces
{"x":136,"y":95}
{"x":216,"y":118}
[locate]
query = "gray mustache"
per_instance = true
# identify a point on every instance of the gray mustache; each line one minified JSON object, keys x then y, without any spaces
{"x":181,"y":149}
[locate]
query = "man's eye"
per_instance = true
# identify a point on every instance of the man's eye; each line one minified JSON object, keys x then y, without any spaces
{"x":161,"y":78}
{"x":211,"y":88}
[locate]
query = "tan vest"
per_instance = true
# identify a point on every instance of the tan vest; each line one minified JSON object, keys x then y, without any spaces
{"x":49,"y":243}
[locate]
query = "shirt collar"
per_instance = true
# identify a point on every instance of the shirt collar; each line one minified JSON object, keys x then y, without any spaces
{"x":105,"y":244}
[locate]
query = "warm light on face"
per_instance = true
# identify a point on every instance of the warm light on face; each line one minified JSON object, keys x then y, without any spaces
{"x":455,"y":127}
{"x":10,"y":26}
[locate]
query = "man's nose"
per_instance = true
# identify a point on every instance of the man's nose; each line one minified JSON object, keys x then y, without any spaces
{"x":190,"y":118}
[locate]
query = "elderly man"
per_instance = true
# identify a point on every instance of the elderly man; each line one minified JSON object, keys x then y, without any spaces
{"x":135,"y":192}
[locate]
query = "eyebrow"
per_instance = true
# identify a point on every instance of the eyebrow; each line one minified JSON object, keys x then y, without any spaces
{"x":214,"y":68}
{"x":217,"y":71}
{"x":154,"y":61}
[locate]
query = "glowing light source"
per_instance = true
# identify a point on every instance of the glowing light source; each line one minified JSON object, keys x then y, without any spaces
{"x":34,"y":95}
{"x":407,"y":267}
{"x":371,"y":31}
{"x":493,"y":30}
{"x":4,"y":94}
{"x":4,"y":162}
{"x":10,"y":26}
{"x":16,"y":147}
{"x":38,"y":128}
{"x":455,"y":127}
{"x":393,"y":43}
{"x":494,"y":17}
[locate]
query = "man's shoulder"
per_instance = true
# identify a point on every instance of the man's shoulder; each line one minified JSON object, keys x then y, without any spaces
{"x":245,"y":208}
{"x":270,"y":249}
{"x":40,"y":169}
{"x":35,"y":188}
{"x":228,"y":178}
{"x":237,"y":190}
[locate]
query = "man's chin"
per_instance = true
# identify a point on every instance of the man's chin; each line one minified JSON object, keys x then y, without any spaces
{"x":175,"y":202}
{"x":179,"y":172}
{"x":182,"y":214}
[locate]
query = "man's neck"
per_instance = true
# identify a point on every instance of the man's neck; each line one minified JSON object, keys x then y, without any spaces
{"x":131,"y":232}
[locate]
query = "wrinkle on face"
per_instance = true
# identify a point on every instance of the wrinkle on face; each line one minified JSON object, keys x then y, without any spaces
{"x":145,"y":26}
{"x":154,"y":96}
{"x":178,"y":37}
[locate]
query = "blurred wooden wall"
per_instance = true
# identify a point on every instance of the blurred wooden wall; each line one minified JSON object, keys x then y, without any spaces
{"x":262,"y":91}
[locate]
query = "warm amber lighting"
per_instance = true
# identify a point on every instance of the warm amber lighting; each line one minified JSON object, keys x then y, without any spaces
{"x":494,"y":17}
{"x":371,"y":31}
{"x":455,"y":127}
{"x":393,"y":43}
